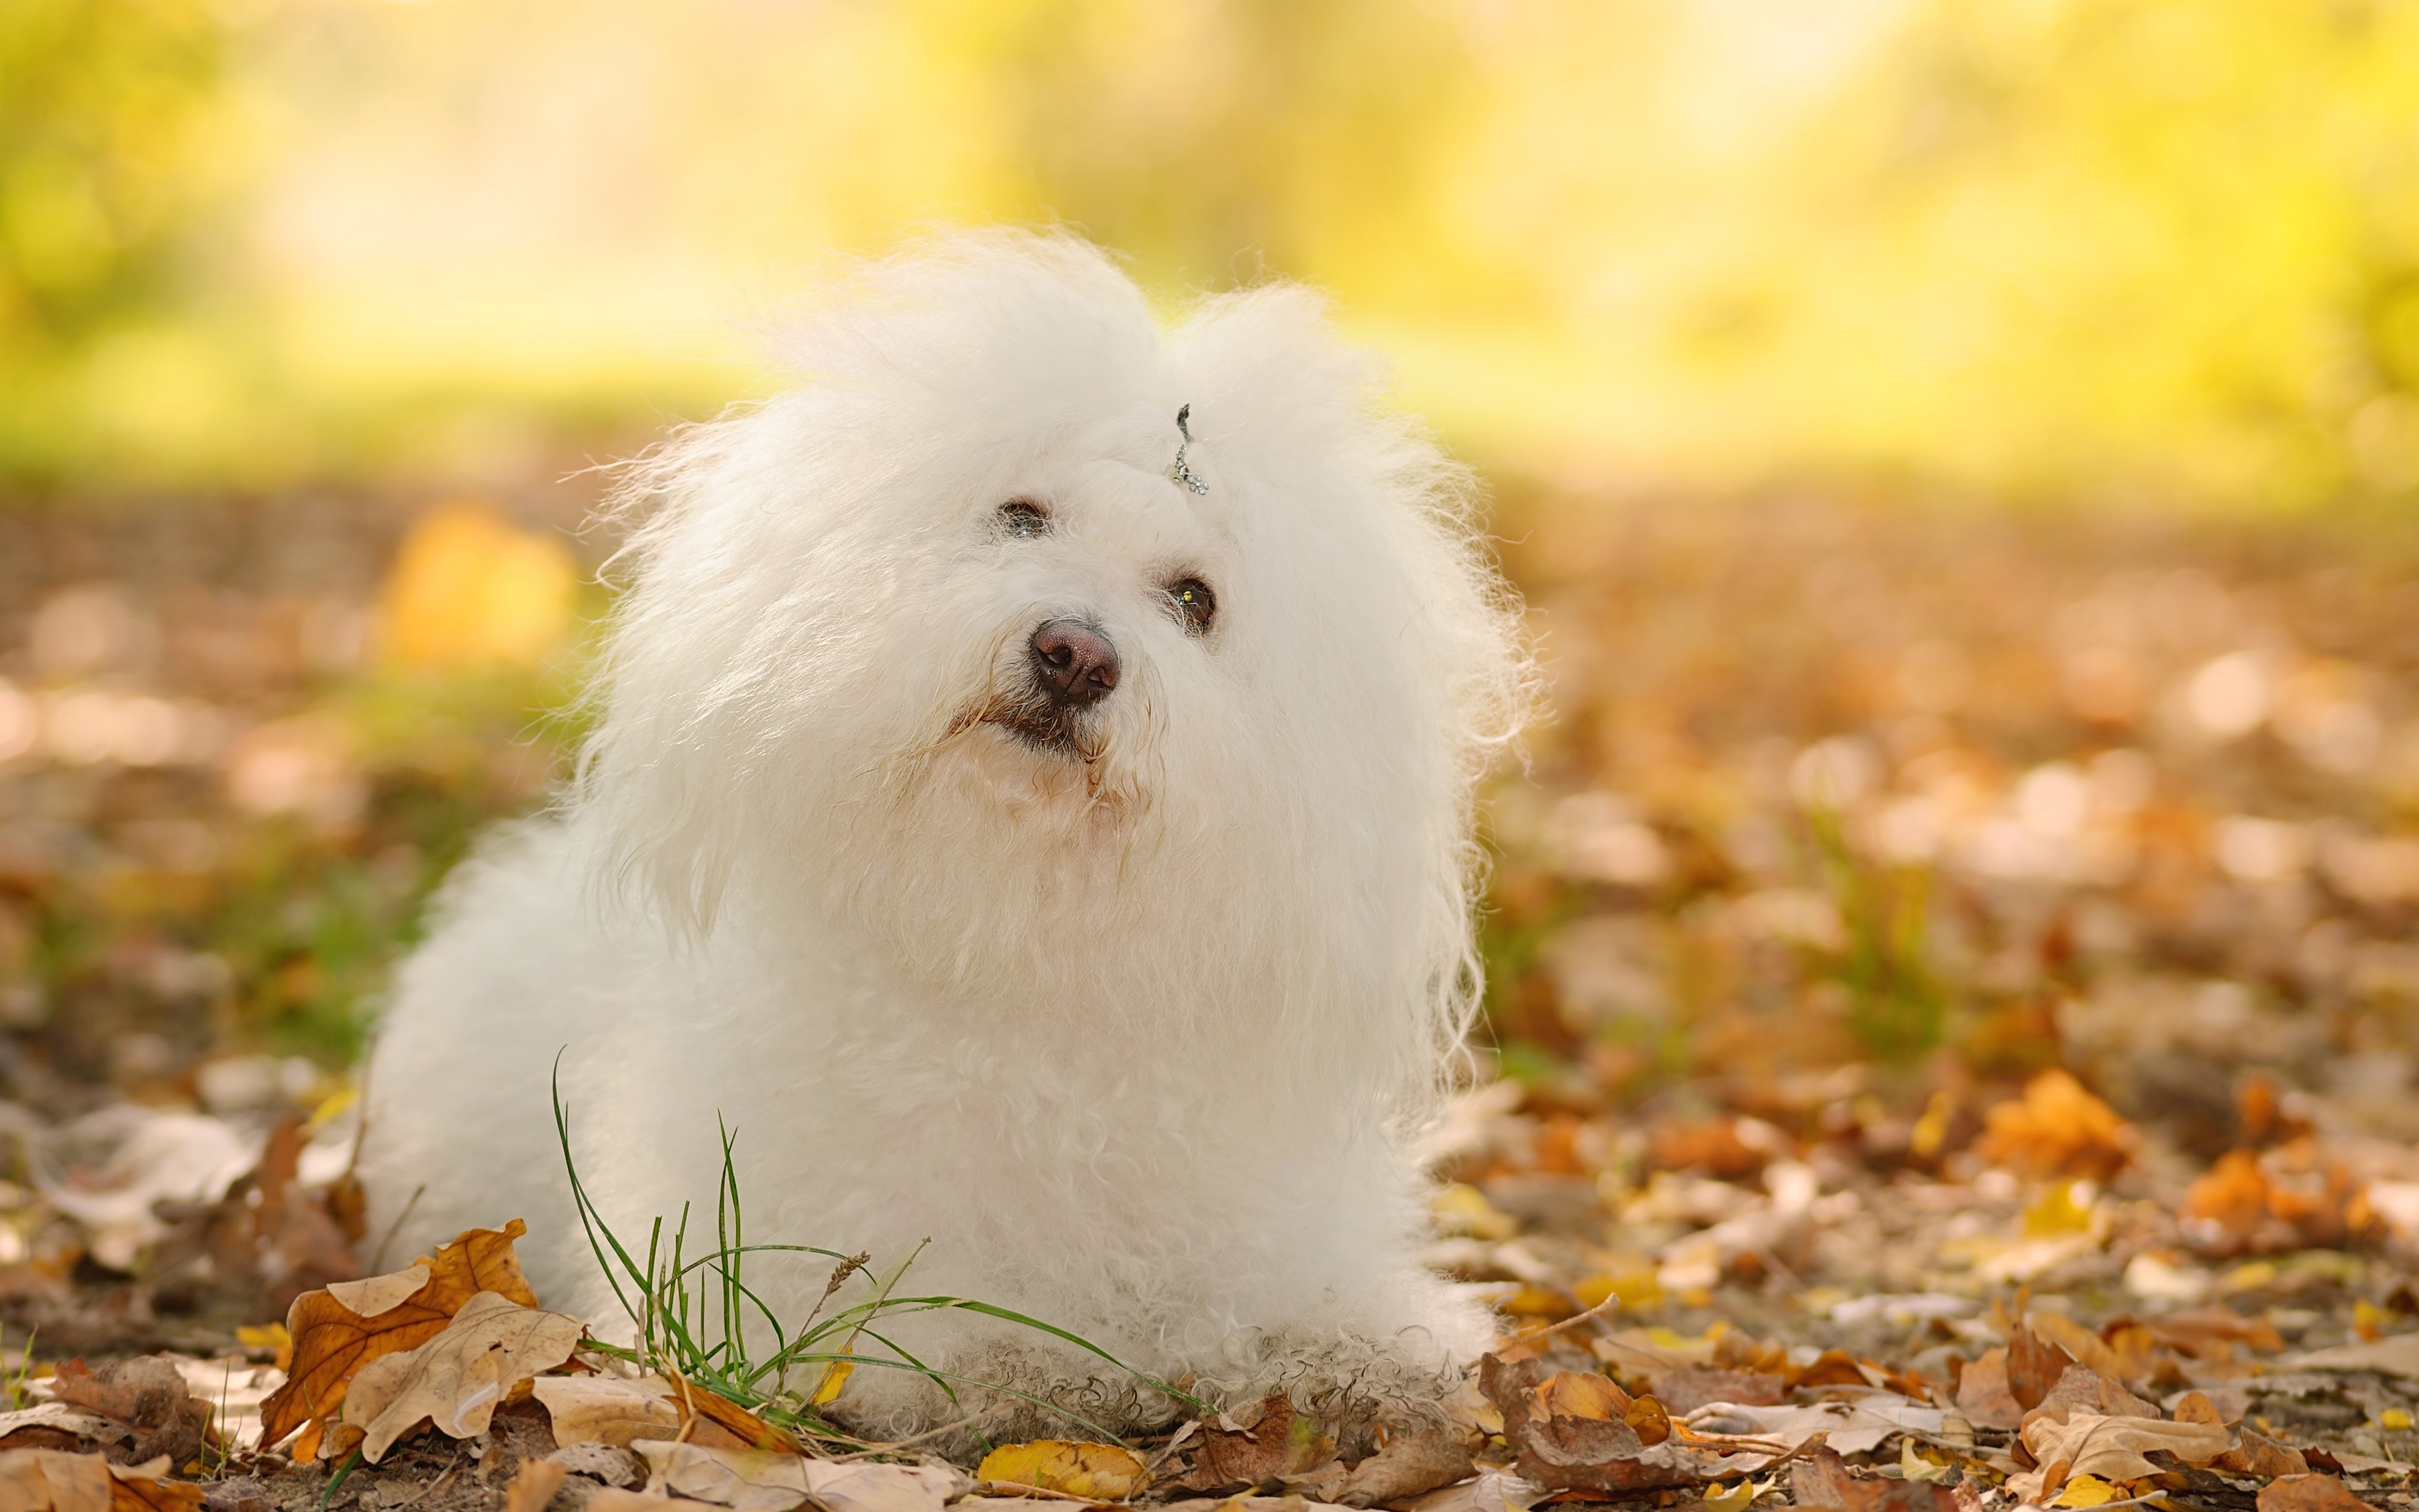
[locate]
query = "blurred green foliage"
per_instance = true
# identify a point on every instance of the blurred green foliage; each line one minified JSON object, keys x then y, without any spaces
{"x":109,"y":167}
{"x":2127,"y":247}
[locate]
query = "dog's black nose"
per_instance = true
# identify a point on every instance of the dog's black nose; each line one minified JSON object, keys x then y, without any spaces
{"x":1075,"y":663}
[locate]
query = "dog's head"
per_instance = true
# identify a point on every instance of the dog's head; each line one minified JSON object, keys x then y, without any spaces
{"x":945,"y":643}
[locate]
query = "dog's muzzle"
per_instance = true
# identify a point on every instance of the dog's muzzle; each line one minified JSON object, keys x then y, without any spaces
{"x":1071,"y":667}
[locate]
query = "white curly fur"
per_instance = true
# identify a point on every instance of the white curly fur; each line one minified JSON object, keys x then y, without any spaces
{"x":1134,"y":1034}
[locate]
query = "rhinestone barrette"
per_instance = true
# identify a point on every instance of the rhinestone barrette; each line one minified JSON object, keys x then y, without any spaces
{"x":1181,"y":474}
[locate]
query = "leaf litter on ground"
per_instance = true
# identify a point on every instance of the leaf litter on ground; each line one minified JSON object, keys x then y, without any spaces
{"x":1891,"y":918}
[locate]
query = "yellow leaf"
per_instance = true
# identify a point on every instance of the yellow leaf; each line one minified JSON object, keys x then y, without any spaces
{"x":267,"y":1337}
{"x":2393,"y":1420}
{"x":1462,"y":1209}
{"x":1100,"y":1470}
{"x":1638,"y":1290}
{"x":2089,"y":1490}
{"x":835,"y":1377}
{"x":2368,"y":1319}
{"x":1719,"y":1498}
{"x":1931,"y":1131}
{"x":2059,"y":1210}
{"x":1537,"y":1302}
{"x":1915,"y":1466}
{"x":471,"y":591}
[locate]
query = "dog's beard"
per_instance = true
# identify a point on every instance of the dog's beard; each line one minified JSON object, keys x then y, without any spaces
{"x":1018,"y":844}
{"x":1027,"y":717}
{"x":1075,"y":772}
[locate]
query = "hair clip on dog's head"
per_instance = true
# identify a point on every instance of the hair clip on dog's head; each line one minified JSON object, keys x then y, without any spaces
{"x":1179,"y":472}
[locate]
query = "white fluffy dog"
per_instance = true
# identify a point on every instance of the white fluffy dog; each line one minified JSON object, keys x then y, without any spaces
{"x":1027,"y":830}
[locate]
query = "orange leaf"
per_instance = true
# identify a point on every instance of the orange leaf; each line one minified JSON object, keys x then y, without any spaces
{"x":534,"y":1487}
{"x":478,"y":1259}
{"x":1582,"y":1394}
{"x":2056,"y":1128}
{"x":140,"y":1493}
{"x":2308,"y":1493}
{"x":332,"y":1342}
{"x":753,"y":1432}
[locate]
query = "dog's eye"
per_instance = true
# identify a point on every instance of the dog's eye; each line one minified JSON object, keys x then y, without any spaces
{"x":1195,"y":604}
{"x":1023,"y":518}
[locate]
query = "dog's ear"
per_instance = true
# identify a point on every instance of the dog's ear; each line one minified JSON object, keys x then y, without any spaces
{"x":685,"y":693}
{"x":1291,"y":413}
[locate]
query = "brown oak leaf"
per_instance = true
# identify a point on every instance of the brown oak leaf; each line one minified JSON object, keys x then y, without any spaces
{"x":2309,"y":1493}
{"x":456,"y":1379}
{"x":149,"y":1397}
{"x":2034,"y":1366}
{"x":333,"y":1341}
{"x":1564,"y":1450}
{"x":1983,"y":1396}
{"x":1269,"y":1442}
{"x":1820,"y":1479}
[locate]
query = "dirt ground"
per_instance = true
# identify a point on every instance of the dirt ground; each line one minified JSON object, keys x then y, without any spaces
{"x":1931,"y":950}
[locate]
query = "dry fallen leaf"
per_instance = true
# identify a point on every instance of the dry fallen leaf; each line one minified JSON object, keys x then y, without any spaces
{"x":2087,"y":1492}
{"x":2083,"y":1389}
{"x":2295,"y":1197}
{"x":1272,"y":1440}
{"x":709,"y":1418}
{"x":534,"y":1487}
{"x":2213,"y":1330}
{"x":1563,"y":1451}
{"x":1820,"y":1479}
{"x":2262,"y":1457}
{"x":2056,"y":1128}
{"x":2082,"y":1345}
{"x":1405,"y":1466}
{"x":1489,"y":1490}
{"x":469,"y":589}
{"x":601,"y":1462}
{"x":2112,"y":1448}
{"x":863,"y":1488}
{"x":749,"y":1480}
{"x":143,"y":1489}
{"x":1100,"y":1470}
{"x":2394,"y":1355}
{"x":1684,"y":1391}
{"x":33,"y":1480}
{"x":1982,"y":1394}
{"x":148,"y":1394}
{"x":616,"y":1498}
{"x":373,"y":1295}
{"x":1835,"y":1368}
{"x":264,"y":1241}
{"x":2309,"y":1493}
{"x":607,"y":1409}
{"x":1857,"y":1427}
{"x":58,"y":1426}
{"x":51,"y":1480}
{"x":2034,"y":1365}
{"x":1735,"y":1498}
{"x":332,"y":1341}
{"x":1583,"y":1394}
{"x":616,"y":1410}
{"x":456,"y":1380}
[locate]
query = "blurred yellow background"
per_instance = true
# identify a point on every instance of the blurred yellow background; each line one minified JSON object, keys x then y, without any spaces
{"x":2120,"y":249}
